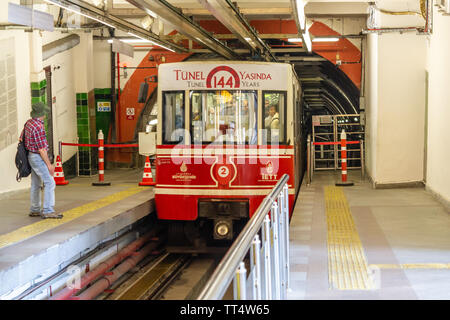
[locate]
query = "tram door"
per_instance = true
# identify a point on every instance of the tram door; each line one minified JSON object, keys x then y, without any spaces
{"x":328,"y":128}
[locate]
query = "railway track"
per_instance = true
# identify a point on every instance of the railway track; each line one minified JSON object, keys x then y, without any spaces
{"x":141,"y":270}
{"x":150,"y":281}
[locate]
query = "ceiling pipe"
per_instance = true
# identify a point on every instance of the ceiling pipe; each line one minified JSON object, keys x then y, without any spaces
{"x":427,"y":15}
{"x":85,"y":9}
{"x":85,"y":28}
{"x":60,"y":45}
{"x":230,"y":16}
{"x":226,"y":16}
{"x":184,"y":25}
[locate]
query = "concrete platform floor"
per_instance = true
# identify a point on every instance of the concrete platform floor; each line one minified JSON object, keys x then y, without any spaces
{"x":31,"y":246}
{"x":79,"y":191}
{"x":400,"y":238}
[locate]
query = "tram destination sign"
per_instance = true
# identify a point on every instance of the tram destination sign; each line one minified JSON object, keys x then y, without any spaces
{"x":256,"y":76}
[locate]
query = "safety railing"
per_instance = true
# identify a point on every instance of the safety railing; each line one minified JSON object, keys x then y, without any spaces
{"x":101,"y":155}
{"x":343,"y":143}
{"x":266,"y":238}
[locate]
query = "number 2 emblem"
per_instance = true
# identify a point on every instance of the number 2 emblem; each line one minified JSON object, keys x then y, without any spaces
{"x":223,"y":171}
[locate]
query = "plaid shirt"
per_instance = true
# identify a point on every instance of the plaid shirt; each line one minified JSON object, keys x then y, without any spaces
{"x":35,"y":135}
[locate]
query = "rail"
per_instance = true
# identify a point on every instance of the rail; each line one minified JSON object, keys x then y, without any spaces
{"x":269,"y":259}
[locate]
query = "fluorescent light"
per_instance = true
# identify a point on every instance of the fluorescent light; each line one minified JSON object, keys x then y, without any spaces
{"x":151,"y":13}
{"x":162,"y":46}
{"x":307,"y":39}
{"x":301,"y":14}
{"x":324,"y":39}
{"x":135,"y":35}
{"x":295,"y":39}
{"x":132,"y":40}
{"x":78,"y":11}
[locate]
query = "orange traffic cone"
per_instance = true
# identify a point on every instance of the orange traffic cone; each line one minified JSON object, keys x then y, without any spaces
{"x":147,"y":179}
{"x":59,"y":173}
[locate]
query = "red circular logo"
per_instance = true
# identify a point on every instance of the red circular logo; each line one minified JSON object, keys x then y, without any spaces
{"x":223,"y":173}
{"x":213,"y":81}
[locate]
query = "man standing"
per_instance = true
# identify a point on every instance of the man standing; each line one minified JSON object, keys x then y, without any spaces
{"x":274,"y":117}
{"x":41,"y":168}
{"x":272,"y":124}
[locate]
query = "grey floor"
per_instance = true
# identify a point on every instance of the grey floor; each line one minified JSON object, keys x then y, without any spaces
{"x":16,"y":206}
{"x":405,"y":234}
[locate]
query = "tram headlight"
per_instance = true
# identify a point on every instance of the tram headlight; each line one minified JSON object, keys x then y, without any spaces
{"x":223,"y":229}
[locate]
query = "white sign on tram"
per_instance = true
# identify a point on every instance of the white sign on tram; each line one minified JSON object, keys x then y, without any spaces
{"x":255,"y":76}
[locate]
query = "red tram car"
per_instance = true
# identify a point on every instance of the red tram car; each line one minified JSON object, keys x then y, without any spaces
{"x":227,"y":131}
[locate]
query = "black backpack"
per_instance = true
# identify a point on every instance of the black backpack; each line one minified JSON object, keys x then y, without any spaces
{"x":23,"y":167}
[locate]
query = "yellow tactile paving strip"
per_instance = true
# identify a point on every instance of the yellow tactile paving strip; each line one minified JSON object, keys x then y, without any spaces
{"x":347,"y":264}
{"x":47,"y":224}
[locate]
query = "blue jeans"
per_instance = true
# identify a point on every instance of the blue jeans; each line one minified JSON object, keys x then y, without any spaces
{"x":39,"y":174}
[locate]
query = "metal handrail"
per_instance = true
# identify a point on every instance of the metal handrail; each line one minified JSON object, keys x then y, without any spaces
{"x":231,"y":263}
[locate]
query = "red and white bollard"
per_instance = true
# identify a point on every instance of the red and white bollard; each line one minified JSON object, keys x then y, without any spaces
{"x":344,"y":181}
{"x":101,"y":162}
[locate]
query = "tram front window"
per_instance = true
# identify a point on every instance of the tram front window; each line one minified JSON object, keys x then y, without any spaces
{"x":274,"y":115}
{"x":173,"y":116}
{"x":224,"y":116}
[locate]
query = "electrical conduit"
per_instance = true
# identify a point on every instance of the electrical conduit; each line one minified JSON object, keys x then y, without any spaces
{"x":103,"y":267}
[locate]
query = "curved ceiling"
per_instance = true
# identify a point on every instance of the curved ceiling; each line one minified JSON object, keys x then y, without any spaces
{"x":326,"y":88}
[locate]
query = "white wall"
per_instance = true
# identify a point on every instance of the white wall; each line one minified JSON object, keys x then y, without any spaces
{"x":8,"y":169}
{"x":371,"y":98}
{"x":63,"y":91}
{"x":438,"y":155}
{"x":401,"y":107}
{"x":74,"y":75}
{"x":395,"y":96}
{"x":83,"y":63}
{"x":102,"y":64}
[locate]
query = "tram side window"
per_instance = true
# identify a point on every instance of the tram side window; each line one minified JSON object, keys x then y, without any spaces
{"x":274,"y":118}
{"x":224,"y":117}
{"x":173,"y":117}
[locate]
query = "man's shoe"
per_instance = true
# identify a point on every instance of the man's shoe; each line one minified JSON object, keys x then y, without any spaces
{"x":35,"y":214}
{"x":52,"y":215}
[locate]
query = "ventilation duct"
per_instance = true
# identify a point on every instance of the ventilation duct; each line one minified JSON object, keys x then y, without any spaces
{"x":61,"y":45}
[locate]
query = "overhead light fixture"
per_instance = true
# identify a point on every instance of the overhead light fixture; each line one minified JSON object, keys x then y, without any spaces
{"x":151,"y":41}
{"x":151,"y":13}
{"x":78,"y":11}
{"x":326,"y":39}
{"x":317,"y":39}
{"x":307,"y":41}
{"x":132,"y":40}
{"x":300,"y":4}
{"x":135,"y":35}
